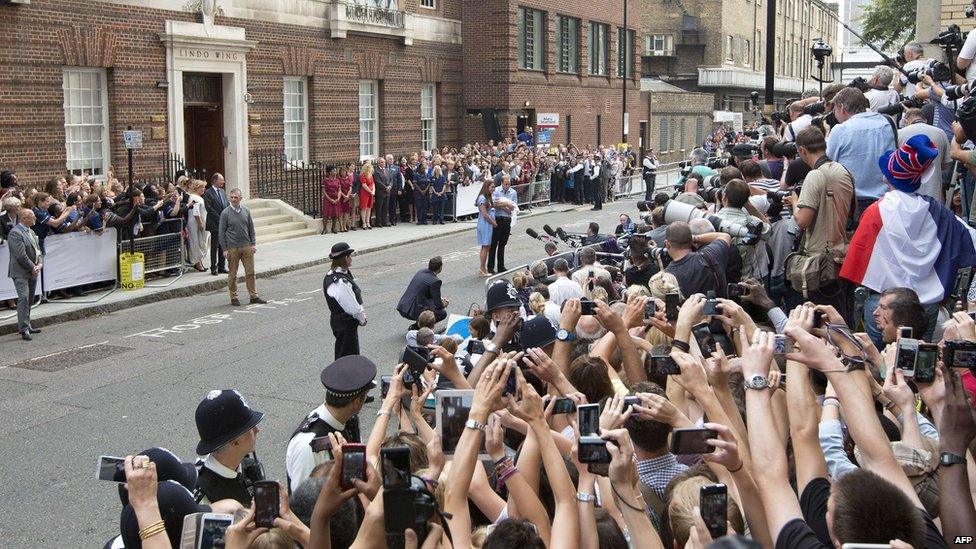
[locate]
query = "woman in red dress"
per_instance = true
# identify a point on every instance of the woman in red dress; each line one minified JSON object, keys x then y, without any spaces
{"x":330,"y":200}
{"x":367,"y":193}
{"x":345,"y":199}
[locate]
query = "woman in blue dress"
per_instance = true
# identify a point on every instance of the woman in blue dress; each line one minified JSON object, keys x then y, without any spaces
{"x":438,"y":195}
{"x":486,"y":222}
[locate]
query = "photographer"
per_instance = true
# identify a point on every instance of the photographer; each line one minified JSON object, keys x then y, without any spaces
{"x":914,"y":60}
{"x":701,"y":271}
{"x":881,"y":95}
{"x":821,"y":210}
{"x":737,"y":208}
{"x":799,"y":120}
{"x":771,"y":164}
{"x":857,"y":143}
{"x":964,"y":61}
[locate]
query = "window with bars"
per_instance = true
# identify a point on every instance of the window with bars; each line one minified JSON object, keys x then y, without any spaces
{"x":428,"y":116}
{"x":599,"y":48}
{"x":663,"y":135}
{"x":659,"y":44}
{"x":671,"y":135}
{"x":368,"y":131}
{"x":567,"y":42}
{"x":625,"y":52}
{"x":699,"y":131}
{"x":730,"y":49}
{"x":429,"y":4}
{"x":296,"y":119}
{"x":531,"y":39}
{"x":86,"y":121}
{"x":681,"y":133}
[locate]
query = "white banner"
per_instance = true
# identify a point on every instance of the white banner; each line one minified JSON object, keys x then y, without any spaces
{"x":547,"y":120}
{"x":466,"y":197}
{"x":7,"y":290}
{"x":73,"y":259}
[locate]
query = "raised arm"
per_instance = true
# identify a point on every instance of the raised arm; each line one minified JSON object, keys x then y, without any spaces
{"x":804,"y":416}
{"x":957,"y":429}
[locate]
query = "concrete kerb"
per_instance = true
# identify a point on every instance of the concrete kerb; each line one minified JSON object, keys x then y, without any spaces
{"x":221,"y":282}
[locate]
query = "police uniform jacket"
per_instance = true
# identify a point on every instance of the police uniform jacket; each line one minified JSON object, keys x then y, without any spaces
{"x":215,"y":482}
{"x":344,"y":298}
{"x":299,"y":458}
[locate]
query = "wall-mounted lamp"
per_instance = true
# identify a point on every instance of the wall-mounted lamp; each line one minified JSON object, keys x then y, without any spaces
{"x":162,"y":84}
{"x":248,"y":98}
{"x":526,"y":103}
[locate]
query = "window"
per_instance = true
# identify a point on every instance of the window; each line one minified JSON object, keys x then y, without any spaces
{"x":663,"y":146}
{"x":428,"y":116}
{"x":659,"y":44}
{"x":296,"y":119}
{"x":700,"y":129}
{"x":599,"y":48}
{"x":625,"y":52}
{"x":531,"y":39}
{"x":368,"y":95}
{"x":730,"y":49}
{"x":759,"y":48}
{"x":671,"y":136}
{"x":746,"y":51}
{"x":567,"y":42}
{"x":681,"y":134}
{"x":429,"y":4}
{"x":86,"y":121}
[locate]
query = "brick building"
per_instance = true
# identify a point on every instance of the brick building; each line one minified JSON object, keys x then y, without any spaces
{"x":217,"y":81}
{"x":523,"y":58}
{"x":718,"y":46}
{"x":676,"y":121}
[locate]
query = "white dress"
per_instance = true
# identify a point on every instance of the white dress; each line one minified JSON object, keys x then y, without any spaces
{"x":197,"y":236}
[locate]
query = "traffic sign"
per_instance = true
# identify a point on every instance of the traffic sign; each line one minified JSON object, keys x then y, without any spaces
{"x":132,"y":139}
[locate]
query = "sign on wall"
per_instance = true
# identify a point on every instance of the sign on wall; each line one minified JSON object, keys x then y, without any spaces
{"x":547,"y":120}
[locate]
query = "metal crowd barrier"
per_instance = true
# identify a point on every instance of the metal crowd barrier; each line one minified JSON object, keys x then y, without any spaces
{"x":161,"y":252}
{"x":569,"y":256}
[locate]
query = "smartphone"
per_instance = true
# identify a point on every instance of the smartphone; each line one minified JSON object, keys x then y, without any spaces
{"x":592,"y":449}
{"x":722,"y":340}
{"x":476,"y":347}
{"x":564,"y":405}
{"x":511,"y":384}
{"x":672,"y":304}
{"x":782,"y":344}
{"x":650,"y":308}
{"x":905,"y":331}
{"x":353,"y":464}
{"x":713,"y":502}
{"x":818,"y":319}
{"x":630,"y":401}
{"x":703,"y":335}
{"x":711,"y":305}
{"x":417,"y":359}
{"x":663,"y":365}
{"x":205,"y":530}
{"x":692,"y":441}
{"x":960,"y":354}
{"x":110,"y":468}
{"x":906,"y":356}
{"x":736,"y":290}
{"x":928,"y":355}
{"x":590,"y":283}
{"x":588,"y":419}
{"x":385,"y":385}
{"x":396,"y":467}
{"x":588,"y":307}
{"x":266,"y":503}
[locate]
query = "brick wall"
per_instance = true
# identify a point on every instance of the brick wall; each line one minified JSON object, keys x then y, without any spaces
{"x":32,"y":136}
{"x":667,"y":113}
{"x":953,"y":11}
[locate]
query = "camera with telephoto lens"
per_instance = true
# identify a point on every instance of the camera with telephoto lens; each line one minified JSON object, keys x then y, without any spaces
{"x":957,"y":92}
{"x":780,"y":116}
{"x":966,"y":115}
{"x":679,"y":211}
{"x":719,"y":163}
{"x":937,"y":70}
{"x":710,"y":194}
{"x":860,"y":83}
{"x":813,"y":109}
{"x":950,"y":38}
{"x":969,"y":11}
{"x":777,"y":196}
{"x":783,"y":149}
{"x":895,"y":109}
{"x":414,"y":505}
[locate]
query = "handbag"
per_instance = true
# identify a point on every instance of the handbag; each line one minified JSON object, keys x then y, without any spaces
{"x":807,"y":274}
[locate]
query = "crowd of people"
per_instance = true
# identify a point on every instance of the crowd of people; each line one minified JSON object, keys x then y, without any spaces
{"x":780,"y":357}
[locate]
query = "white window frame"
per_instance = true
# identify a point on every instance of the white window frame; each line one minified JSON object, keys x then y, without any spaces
{"x":428,"y":4}
{"x":368,"y":119}
{"x":428,"y":116}
{"x":75,"y":122}
{"x":599,"y":49}
{"x":730,"y":49}
{"x":659,"y":44}
{"x":746,"y":51}
{"x":299,"y":122}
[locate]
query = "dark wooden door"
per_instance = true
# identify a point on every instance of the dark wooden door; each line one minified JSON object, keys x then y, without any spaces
{"x":204,"y":139}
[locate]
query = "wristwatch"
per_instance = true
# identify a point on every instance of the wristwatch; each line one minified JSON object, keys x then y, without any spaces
{"x":490,"y":347}
{"x":585,"y":498}
{"x":472,"y":424}
{"x":948,"y":458}
{"x":565,"y":335}
{"x":757,"y":382}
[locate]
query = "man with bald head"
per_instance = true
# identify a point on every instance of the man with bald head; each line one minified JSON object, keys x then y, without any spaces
{"x":697,"y":271}
{"x":24,"y":268}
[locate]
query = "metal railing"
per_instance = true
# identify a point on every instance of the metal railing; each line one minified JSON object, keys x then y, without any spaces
{"x":297,"y":183}
{"x":163,"y":251}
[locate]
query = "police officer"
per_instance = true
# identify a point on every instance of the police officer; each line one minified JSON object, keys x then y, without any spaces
{"x":649,"y":173}
{"x":228,"y":429}
{"x":347,"y":382}
{"x":345,"y":302}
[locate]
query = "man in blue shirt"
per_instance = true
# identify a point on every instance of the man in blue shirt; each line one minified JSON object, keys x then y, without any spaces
{"x":857,"y":143}
{"x":505,"y":201}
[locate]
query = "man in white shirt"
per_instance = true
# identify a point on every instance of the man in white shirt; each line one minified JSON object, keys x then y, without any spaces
{"x":914,"y":122}
{"x":914,"y":60}
{"x":799,"y":121}
{"x":881,"y":95}
{"x":563,"y":288}
{"x":964,"y":61}
{"x":589,"y":265}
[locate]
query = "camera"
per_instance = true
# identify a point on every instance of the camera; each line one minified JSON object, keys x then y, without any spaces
{"x":777,"y":196}
{"x":895,"y":109}
{"x":960,"y":353}
{"x":679,"y":211}
{"x":860,"y":83}
{"x":593,"y":449}
{"x":937,"y":70}
{"x":782,"y":345}
{"x":784,"y":149}
{"x":736,"y":290}
{"x":821,"y":50}
{"x":954,"y":93}
{"x":414,"y":504}
{"x":969,"y":11}
{"x":711,"y":304}
{"x":951,"y":37}
{"x":813,"y":109}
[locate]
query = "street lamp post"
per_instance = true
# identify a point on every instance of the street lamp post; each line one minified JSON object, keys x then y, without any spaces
{"x":626,"y":37}
{"x":770,"y":56}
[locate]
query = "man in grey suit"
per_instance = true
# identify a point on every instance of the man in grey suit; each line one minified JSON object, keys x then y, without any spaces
{"x":24,"y":269}
{"x":383,"y":187}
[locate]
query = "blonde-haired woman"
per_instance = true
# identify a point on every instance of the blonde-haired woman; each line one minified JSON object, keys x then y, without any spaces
{"x":197,"y":226}
{"x":367,"y":193}
{"x":537,"y":303}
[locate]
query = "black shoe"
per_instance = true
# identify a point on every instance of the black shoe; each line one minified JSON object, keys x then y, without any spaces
{"x":223,"y":271}
{"x":235,"y":302}
{"x":26,"y":336}
{"x":257,"y":301}
{"x":35,"y":330}
{"x":501,"y":270}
